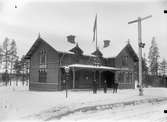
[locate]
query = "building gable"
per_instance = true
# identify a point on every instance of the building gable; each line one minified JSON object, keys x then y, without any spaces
{"x":128,"y":48}
{"x":41,"y":64}
{"x":126,"y":58}
{"x":131,"y":52}
{"x":35,"y":46}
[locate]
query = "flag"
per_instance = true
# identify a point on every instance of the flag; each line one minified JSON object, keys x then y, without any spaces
{"x":94,"y":28}
{"x":106,"y":43}
{"x":71,"y":39}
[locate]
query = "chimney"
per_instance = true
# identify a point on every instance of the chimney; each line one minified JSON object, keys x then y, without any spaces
{"x":71,"y":39}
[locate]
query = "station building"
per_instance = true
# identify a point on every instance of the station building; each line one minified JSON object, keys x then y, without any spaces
{"x":48,"y":61}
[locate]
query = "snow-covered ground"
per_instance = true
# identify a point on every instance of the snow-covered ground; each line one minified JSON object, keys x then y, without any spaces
{"x":17,"y":103}
{"x":140,"y":113}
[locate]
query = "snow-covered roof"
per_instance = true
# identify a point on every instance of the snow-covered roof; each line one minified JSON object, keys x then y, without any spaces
{"x":61,"y":45}
{"x":83,"y":66}
{"x":112,"y":51}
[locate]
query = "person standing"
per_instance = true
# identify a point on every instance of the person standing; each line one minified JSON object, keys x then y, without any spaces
{"x":115,"y":86}
{"x":94,"y":87}
{"x":105,"y":86}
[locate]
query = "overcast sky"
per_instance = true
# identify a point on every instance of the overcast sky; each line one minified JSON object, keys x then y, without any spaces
{"x":55,"y":19}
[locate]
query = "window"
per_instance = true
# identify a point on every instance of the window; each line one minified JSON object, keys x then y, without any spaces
{"x":124,"y":60}
{"x":43,"y":57}
{"x":121,"y":77}
{"x":127,"y":77}
{"x":43,"y":66}
{"x":130,"y":77}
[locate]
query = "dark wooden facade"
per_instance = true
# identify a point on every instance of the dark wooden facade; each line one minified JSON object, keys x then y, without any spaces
{"x":47,"y":63}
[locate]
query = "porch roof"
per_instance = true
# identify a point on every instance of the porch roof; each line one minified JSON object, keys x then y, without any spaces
{"x":83,"y":66}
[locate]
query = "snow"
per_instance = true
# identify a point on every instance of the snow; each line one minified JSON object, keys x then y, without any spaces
{"x":95,"y":67}
{"x":141,"y":113}
{"x":18,"y":103}
{"x":62,"y":45}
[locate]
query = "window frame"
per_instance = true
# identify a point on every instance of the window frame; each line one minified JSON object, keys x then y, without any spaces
{"x":125,"y":60}
{"x":42,"y":66}
{"x":43,"y":54}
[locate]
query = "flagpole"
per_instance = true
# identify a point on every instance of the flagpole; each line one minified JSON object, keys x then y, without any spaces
{"x":96,"y":31}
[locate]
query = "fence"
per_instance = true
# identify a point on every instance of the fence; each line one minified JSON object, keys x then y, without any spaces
{"x":155,"y":81}
{"x":6,"y":78}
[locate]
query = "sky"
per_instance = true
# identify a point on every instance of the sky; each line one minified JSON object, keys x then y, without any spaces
{"x":55,"y":19}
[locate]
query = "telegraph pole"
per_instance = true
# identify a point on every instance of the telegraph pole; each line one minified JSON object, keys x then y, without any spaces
{"x":140,"y":45}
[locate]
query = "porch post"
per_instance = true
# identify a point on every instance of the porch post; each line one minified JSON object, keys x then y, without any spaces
{"x":132,"y":80}
{"x":59,"y":79}
{"x":73,"y":78}
{"x":100,"y":82}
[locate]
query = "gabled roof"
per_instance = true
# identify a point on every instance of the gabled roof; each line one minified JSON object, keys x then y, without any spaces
{"x":33,"y":48}
{"x":62,"y":46}
{"x":113,"y":51}
{"x":131,"y":51}
{"x":39,"y":40}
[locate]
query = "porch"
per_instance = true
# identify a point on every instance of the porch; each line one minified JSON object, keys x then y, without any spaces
{"x":81,"y":76}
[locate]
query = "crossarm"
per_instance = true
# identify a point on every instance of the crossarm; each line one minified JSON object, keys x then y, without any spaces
{"x":132,"y":21}
{"x":141,"y":19}
{"x":146,"y":17}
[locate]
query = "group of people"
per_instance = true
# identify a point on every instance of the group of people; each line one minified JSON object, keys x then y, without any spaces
{"x":114,"y":86}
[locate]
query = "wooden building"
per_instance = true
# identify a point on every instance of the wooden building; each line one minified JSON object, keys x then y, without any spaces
{"x":47,"y":64}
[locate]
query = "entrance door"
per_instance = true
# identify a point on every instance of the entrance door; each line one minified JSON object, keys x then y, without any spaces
{"x":109,"y":77}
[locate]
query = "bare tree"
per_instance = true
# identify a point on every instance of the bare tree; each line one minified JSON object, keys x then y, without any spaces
{"x":13,"y":55}
{"x":21,"y":68}
{"x":8,"y":54}
{"x":1,"y":56}
{"x":17,"y":68}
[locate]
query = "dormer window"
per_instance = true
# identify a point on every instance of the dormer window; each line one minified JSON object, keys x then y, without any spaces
{"x":77,"y":50}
